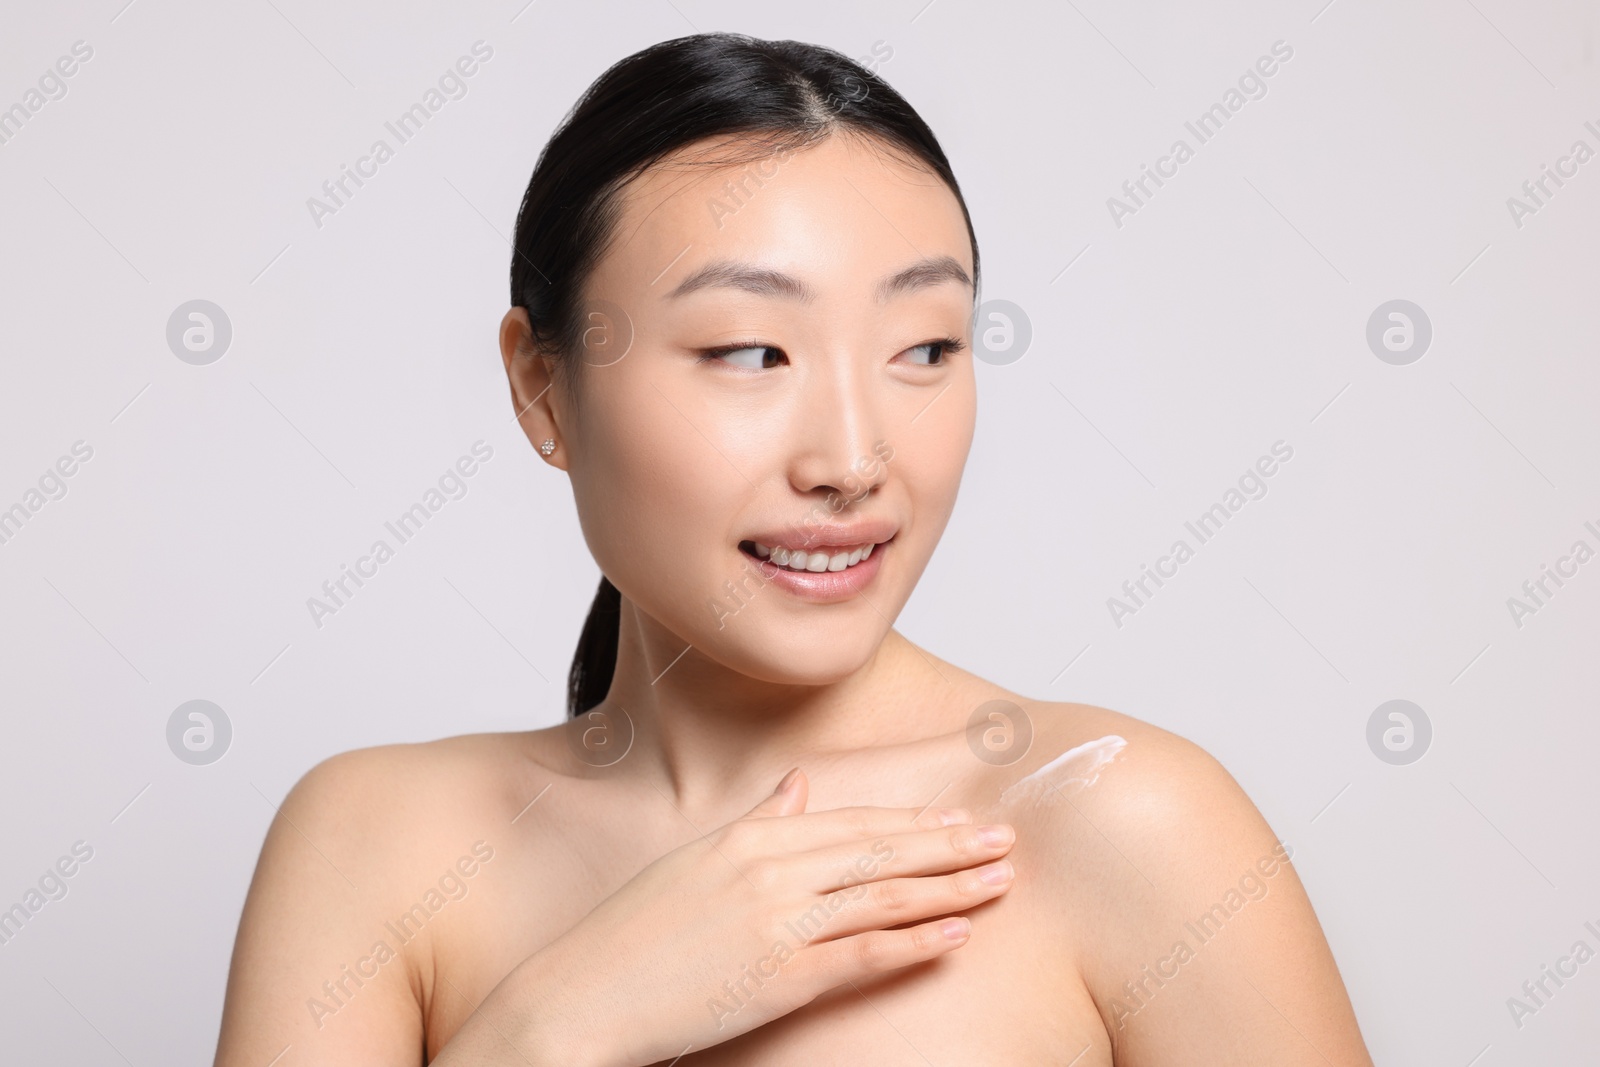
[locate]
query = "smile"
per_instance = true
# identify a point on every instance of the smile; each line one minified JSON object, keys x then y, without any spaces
{"x":798,"y":559}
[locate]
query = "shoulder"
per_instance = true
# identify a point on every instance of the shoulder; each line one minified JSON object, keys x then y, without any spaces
{"x":1179,"y":896}
{"x":1146,"y":779}
{"x":1148,"y":811}
{"x":418,"y":784}
{"x":330,"y":925}
{"x":1044,"y":753}
{"x":381,"y":814}
{"x":360,"y":824}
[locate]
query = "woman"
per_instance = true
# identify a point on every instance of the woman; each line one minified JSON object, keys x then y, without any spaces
{"x":743,"y":289}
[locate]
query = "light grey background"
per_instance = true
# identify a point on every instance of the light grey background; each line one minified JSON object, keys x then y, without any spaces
{"x":1168,"y":354}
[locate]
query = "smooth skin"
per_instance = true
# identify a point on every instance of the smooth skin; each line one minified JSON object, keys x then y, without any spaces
{"x":629,"y":913}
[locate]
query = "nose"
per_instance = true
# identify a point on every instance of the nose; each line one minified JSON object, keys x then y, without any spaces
{"x":839,"y":432}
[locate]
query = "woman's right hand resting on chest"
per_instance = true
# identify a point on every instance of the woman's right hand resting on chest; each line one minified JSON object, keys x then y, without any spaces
{"x":738,"y":928}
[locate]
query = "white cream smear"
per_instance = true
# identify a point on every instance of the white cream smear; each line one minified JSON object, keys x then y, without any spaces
{"x":1076,"y":768}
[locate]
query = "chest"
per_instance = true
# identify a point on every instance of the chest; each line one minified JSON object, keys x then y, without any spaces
{"x":1002,"y":998}
{"x":1012,"y":994}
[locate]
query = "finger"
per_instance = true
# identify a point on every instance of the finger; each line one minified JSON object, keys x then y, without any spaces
{"x":843,"y":826}
{"x":832,"y":963}
{"x":894,"y":901}
{"x":903,"y":854}
{"x":788,"y":799}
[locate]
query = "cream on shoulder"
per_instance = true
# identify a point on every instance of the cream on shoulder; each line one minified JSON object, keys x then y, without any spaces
{"x":1076,"y":768}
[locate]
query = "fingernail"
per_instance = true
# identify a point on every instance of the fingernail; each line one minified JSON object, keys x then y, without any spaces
{"x":996,"y":873}
{"x":788,"y":780}
{"x":997,"y":834}
{"x":954,"y":929}
{"x":951,"y":816}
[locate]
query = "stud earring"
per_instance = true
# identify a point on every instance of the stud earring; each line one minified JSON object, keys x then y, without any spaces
{"x":548,"y":447}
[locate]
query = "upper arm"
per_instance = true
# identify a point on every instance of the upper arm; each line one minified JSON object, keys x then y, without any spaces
{"x":315,"y":967}
{"x":1203,"y":946}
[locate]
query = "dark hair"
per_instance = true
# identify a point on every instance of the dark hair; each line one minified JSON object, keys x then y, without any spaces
{"x":774,"y":94}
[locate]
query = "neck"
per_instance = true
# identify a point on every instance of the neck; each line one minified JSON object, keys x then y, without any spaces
{"x":709,"y":737}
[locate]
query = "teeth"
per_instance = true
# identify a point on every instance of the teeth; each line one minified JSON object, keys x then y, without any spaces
{"x":813,"y":562}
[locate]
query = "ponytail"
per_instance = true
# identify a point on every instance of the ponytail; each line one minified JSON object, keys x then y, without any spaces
{"x":596,"y":659}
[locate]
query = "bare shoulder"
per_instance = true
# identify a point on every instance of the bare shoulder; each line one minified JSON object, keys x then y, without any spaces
{"x":319,"y":962}
{"x":409,"y":786}
{"x":1151,"y":781}
{"x":1185,"y":915}
{"x":382,"y":808}
{"x":380,"y":818}
{"x":1140,"y":814}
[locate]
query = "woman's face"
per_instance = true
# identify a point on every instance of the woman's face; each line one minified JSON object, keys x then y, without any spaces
{"x":768,"y":369}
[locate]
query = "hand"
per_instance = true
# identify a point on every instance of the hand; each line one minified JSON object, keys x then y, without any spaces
{"x":758,"y":918}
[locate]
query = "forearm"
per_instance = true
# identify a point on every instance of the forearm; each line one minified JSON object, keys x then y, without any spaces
{"x":525,"y":1021}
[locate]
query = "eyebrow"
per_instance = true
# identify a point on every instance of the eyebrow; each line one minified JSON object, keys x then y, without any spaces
{"x":731,"y":274}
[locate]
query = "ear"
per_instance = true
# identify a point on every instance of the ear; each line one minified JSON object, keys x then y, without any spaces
{"x":533,"y":385}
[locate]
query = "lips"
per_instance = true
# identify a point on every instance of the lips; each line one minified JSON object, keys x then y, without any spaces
{"x":823,"y":586}
{"x":822,"y":563}
{"x":815,"y":561}
{"x":819,"y":537}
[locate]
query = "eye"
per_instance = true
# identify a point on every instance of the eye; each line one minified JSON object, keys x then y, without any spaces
{"x":746,"y":356}
{"x":933,"y":353}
